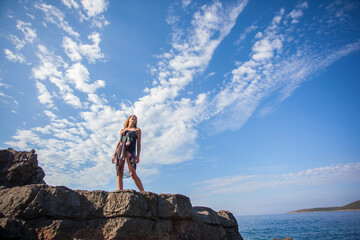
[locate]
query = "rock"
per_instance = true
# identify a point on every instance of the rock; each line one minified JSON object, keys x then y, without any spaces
{"x":12,"y":228}
{"x":224,"y":224}
{"x":174,"y":206}
{"x":19,"y":168}
{"x":40,"y":211}
{"x":206,"y":215}
{"x":118,"y":204}
{"x":227,"y":219}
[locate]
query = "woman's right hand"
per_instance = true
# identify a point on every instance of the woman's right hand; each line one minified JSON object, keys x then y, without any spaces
{"x":113,"y":159}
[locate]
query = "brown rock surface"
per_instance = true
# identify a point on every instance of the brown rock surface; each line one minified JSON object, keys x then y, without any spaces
{"x":40,"y":211}
{"x":19,"y":168}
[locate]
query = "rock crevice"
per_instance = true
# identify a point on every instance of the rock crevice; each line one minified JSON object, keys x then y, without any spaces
{"x":31,"y":209}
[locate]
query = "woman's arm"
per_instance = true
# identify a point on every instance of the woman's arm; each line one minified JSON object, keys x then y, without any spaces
{"x":113,"y":158}
{"x":138,"y":132}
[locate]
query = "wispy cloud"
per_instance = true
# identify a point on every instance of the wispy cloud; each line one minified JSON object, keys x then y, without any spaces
{"x":6,"y":99}
{"x":94,"y":7}
{"x":19,"y":44}
{"x":343,"y":173}
{"x":277,"y":63}
{"x":70,"y":3}
{"x":91,"y":51}
{"x":14,"y":57}
{"x":78,"y":75}
{"x":55,"y":16}
{"x":44,"y":95}
{"x":247,"y":30}
{"x":90,"y":10}
{"x":50,"y":69}
{"x":29,"y":35}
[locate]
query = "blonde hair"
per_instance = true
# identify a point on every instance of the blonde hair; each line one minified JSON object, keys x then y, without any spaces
{"x":128,"y":120}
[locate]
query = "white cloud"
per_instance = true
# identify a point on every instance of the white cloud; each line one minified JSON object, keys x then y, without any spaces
{"x":71,"y":99}
{"x":29,"y":33}
{"x":44,"y":95}
{"x":70,"y":3}
{"x":2,"y":84}
{"x":185,"y":3}
{"x":4,"y":98}
{"x":78,"y":75}
{"x":296,"y":13}
{"x":100,"y":21}
{"x":210,"y":75}
{"x":55,"y":16}
{"x":303,"y":5}
{"x":196,"y":51}
{"x":91,"y":51}
{"x":48,"y":65}
{"x":50,"y":68}
{"x":90,"y":10}
{"x":94,"y":7}
{"x":30,"y":16}
{"x":245,"y":33}
{"x":343,"y":173}
{"x":71,"y":49}
{"x":265,"y":48}
{"x":13,"y":57}
{"x":19,"y":44}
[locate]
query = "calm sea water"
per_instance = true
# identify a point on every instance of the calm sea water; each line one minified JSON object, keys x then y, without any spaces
{"x":302,"y":226}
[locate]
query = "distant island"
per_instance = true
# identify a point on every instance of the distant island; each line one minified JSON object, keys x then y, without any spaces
{"x":354,"y":206}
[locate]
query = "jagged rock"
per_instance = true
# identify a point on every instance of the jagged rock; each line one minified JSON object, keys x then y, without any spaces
{"x":19,"y":168}
{"x":223,"y":223}
{"x":206,"y":215}
{"x":229,"y":223}
{"x":174,"y":206}
{"x":40,"y":211}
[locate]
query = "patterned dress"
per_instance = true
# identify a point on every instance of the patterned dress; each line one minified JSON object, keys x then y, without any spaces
{"x":125,"y":149}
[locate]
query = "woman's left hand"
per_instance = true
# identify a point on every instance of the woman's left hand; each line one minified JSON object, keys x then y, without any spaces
{"x":137,"y":159}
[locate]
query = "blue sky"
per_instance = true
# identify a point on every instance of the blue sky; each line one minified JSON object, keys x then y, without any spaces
{"x":249,"y":106}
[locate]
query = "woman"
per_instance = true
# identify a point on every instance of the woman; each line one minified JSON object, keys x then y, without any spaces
{"x":130,"y":137}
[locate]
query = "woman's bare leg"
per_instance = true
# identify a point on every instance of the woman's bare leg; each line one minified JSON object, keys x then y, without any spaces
{"x":119,"y":180}
{"x":134,"y":176}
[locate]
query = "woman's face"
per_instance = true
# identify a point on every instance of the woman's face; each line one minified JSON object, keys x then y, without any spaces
{"x":133,"y":119}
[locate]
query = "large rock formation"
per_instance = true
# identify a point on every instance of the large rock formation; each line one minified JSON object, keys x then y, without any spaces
{"x":30,"y":209}
{"x":19,"y":168}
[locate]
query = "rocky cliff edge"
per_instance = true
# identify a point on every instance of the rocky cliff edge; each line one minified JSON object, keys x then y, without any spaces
{"x":31,"y":209}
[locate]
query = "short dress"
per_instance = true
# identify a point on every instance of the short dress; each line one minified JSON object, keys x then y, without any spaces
{"x":125,"y":149}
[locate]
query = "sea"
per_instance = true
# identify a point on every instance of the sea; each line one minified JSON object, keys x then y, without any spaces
{"x":301,"y":226}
